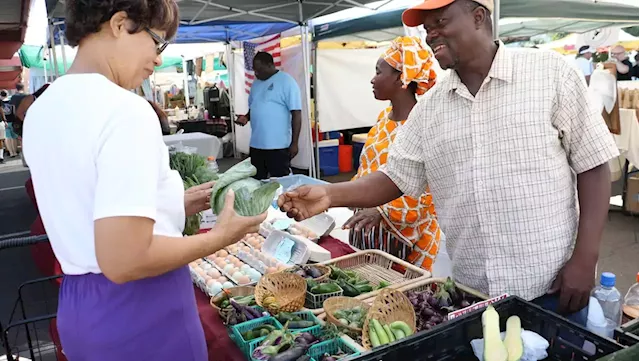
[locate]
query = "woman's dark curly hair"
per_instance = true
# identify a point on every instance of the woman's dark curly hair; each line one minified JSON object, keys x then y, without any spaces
{"x":84,"y":17}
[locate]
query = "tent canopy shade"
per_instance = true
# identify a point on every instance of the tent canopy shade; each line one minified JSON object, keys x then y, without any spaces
{"x":195,"y":12}
{"x":220,"y":31}
{"x":574,"y":15}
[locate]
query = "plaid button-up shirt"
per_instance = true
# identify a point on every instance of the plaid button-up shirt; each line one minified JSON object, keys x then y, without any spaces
{"x":502,"y":168}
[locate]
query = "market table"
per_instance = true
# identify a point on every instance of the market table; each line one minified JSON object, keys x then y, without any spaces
{"x":219,"y":344}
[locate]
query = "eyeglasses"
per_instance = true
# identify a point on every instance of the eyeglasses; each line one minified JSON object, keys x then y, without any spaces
{"x":161,"y":43}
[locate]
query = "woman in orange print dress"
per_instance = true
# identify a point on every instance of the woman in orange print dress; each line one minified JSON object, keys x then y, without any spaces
{"x":406,"y":227}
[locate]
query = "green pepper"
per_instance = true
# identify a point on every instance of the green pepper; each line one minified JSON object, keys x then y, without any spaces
{"x":364,"y":288}
{"x":224,"y":304}
{"x":337,"y":273}
{"x":362,"y":282}
{"x":349,"y":290}
{"x":324,"y":288}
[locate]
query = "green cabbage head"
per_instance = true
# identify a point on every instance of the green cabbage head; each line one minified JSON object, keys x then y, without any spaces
{"x":252,"y":196}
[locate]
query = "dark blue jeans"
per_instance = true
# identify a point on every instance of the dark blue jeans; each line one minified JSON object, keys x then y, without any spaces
{"x":550,"y":303}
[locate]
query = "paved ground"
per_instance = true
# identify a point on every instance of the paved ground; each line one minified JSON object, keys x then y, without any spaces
{"x":619,"y":254}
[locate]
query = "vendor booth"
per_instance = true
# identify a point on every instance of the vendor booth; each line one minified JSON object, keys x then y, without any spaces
{"x":297,"y":291}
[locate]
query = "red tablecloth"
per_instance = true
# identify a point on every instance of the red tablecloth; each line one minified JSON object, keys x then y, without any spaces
{"x":219,"y":344}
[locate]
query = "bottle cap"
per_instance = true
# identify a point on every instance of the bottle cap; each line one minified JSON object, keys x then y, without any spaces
{"x":608,"y":279}
{"x":210,"y":159}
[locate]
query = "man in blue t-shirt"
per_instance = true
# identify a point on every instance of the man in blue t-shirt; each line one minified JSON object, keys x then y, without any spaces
{"x":276,"y":117}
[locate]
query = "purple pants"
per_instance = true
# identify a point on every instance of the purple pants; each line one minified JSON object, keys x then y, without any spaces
{"x":150,"y":319}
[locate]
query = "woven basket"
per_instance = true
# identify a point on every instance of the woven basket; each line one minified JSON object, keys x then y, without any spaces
{"x":388,"y":307}
{"x":239,"y":291}
{"x":326,"y":271}
{"x":288,"y":289}
{"x":334,"y":304}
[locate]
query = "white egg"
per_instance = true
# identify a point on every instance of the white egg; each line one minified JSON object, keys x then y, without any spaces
{"x":236,"y":275}
{"x":245,"y":268}
{"x":205,"y":266}
{"x":215,"y":288}
{"x":227,"y":285}
{"x":255,"y":276}
{"x":228,"y":268}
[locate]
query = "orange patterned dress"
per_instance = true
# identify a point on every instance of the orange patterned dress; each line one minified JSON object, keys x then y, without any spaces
{"x":409,"y":229}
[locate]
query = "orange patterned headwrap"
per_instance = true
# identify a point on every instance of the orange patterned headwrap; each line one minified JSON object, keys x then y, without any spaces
{"x":408,"y":55}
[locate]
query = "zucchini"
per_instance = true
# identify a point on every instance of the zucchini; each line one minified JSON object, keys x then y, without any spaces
{"x":494,"y":349}
{"x":382,"y":335}
{"x":386,"y":329}
{"x":401,"y":326}
{"x":373,"y":337}
{"x":513,"y":339}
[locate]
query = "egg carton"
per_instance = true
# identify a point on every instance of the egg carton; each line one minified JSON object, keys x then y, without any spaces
{"x":229,"y":276}
{"x":200,"y":282}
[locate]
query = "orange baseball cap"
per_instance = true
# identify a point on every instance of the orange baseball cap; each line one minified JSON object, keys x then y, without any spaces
{"x":415,"y":16}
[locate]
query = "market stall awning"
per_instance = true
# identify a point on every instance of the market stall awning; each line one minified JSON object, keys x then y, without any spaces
{"x":551,"y":16}
{"x":13,"y":26}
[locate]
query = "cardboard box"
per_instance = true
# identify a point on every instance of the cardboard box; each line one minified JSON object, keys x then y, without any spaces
{"x":631,"y":201}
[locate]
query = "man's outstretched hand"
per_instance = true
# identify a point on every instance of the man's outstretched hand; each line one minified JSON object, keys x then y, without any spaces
{"x":305,"y":202}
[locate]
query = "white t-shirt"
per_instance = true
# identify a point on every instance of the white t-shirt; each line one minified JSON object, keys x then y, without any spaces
{"x":95,"y":150}
{"x":585,"y":66}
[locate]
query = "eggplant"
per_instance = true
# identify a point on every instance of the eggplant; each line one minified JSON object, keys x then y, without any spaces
{"x":308,"y":337}
{"x":291,"y":354}
{"x":313,"y":272}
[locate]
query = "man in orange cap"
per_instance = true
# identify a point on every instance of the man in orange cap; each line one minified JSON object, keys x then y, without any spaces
{"x":514,"y":155}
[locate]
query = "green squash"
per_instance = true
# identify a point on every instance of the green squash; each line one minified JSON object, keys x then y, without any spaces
{"x":494,"y":349}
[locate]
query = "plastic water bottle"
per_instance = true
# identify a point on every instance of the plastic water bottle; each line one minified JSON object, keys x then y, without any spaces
{"x":212,"y":165}
{"x":610,"y":301}
{"x":630,"y":307}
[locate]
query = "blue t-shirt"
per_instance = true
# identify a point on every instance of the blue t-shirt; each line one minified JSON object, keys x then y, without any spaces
{"x":271,"y":102}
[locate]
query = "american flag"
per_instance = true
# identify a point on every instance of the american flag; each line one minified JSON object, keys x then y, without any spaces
{"x":271,"y":46}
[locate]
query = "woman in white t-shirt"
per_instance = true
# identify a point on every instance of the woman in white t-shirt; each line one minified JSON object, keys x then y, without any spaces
{"x":583,"y":61}
{"x":112,"y":208}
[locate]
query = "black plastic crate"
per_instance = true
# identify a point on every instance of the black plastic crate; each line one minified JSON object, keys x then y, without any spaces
{"x":627,"y":334}
{"x":450,"y":341}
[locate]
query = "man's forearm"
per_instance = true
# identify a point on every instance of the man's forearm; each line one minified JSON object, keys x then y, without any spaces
{"x":296,"y":125}
{"x":369,"y":191}
{"x":622,"y":68}
{"x":594,"y":192}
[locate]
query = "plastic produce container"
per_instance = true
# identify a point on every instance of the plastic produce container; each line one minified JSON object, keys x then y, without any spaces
{"x":247,"y":346}
{"x":293,"y":181}
{"x":451,"y":340}
{"x":331,"y":347}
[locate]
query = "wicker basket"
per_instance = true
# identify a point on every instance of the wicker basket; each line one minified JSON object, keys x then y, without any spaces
{"x":388,"y":307}
{"x":288,"y":289}
{"x":239,"y":291}
{"x":376,"y":266}
{"x":326,"y":271}
{"x":340,"y":303}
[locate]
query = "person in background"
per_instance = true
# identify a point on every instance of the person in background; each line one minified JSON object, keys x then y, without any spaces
{"x":9,"y":109}
{"x":113,"y":210}
{"x":3,"y":126}
{"x":517,"y":163}
{"x":583,"y":61}
{"x":623,"y":64}
{"x":275,"y":113}
{"x":405,"y":227}
{"x":634,"y":69}
{"x":162,"y":117}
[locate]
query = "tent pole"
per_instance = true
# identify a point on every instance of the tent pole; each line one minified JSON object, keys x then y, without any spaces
{"x":186,"y":84}
{"x":496,"y":19}
{"x":304,"y":42}
{"x":232,"y":111}
{"x":52,"y":42}
{"x":62,"y":49}
{"x":316,"y":129}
